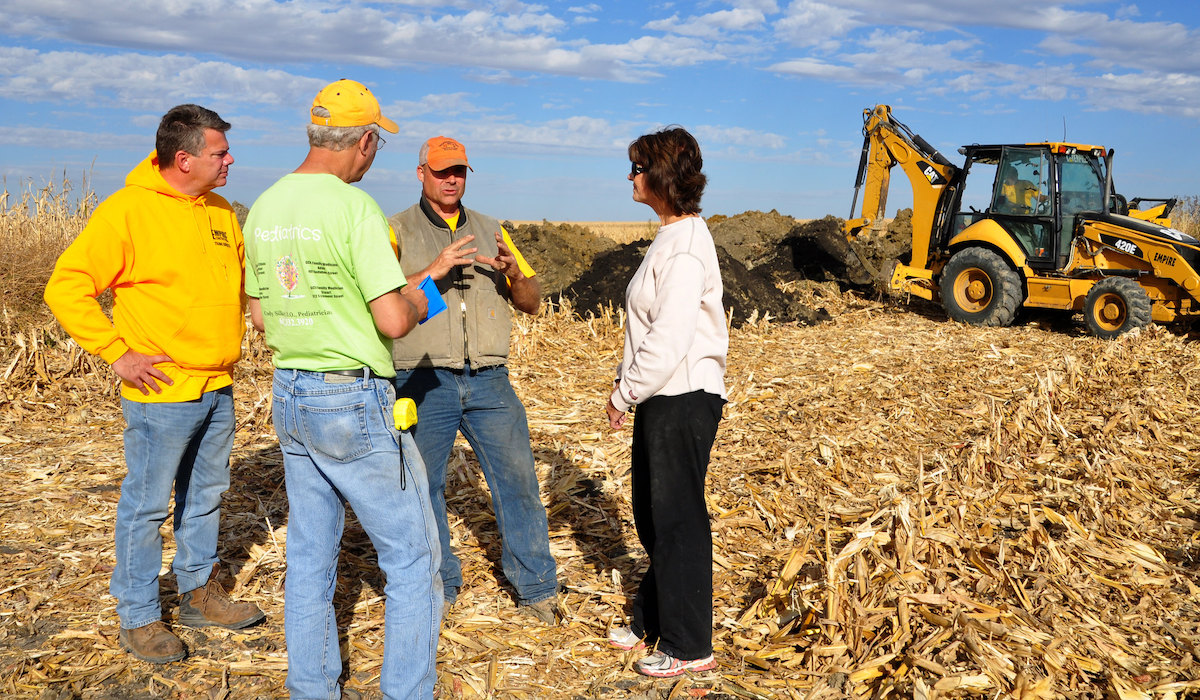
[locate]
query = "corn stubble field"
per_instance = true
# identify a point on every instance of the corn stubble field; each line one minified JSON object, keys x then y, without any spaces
{"x":901,"y":507}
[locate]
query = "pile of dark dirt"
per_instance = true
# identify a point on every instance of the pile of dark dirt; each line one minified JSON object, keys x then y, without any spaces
{"x":749,"y":292}
{"x":893,"y":244}
{"x":560,"y":253}
{"x":751,"y":237}
{"x":771,"y":265}
{"x":816,"y":251}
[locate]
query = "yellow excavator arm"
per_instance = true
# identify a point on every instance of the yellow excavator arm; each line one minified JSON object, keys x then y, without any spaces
{"x":887,"y":143}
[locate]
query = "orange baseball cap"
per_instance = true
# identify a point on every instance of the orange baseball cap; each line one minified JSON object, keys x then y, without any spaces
{"x":444,"y":152}
{"x":350,"y":103}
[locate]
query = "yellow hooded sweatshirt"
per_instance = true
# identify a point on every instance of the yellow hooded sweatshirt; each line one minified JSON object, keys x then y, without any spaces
{"x":175,"y":266}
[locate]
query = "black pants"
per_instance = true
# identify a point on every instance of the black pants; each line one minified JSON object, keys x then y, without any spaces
{"x":672,"y":439}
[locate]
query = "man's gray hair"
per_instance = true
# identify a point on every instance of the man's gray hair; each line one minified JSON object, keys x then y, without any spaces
{"x":423,"y":156}
{"x":335,"y":138}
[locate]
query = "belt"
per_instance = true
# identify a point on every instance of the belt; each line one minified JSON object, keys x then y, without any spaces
{"x":360,"y":372}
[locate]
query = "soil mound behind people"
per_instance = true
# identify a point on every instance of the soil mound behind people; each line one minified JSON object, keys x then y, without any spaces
{"x":771,"y":264}
{"x":751,"y":237}
{"x":560,"y":253}
{"x":749,"y":293}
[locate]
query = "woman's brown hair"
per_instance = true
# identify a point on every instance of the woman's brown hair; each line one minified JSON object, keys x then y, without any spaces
{"x":672,"y":161}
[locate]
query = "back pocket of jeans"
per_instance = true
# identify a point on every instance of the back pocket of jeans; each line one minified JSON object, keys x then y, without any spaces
{"x":339,"y":433}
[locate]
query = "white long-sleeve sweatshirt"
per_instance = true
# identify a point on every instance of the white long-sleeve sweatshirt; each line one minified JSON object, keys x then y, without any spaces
{"x":675,"y":336}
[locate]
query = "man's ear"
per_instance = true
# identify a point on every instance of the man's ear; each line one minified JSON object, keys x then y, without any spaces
{"x":364,"y":143}
{"x":183,"y":161}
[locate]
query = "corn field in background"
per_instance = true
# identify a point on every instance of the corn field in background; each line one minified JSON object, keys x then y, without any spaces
{"x":1186,"y":215}
{"x":36,"y":225}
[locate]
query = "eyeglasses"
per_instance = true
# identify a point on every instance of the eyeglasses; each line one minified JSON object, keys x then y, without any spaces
{"x":636,"y":169}
{"x":379,"y":142}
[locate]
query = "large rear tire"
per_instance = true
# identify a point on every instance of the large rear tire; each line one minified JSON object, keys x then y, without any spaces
{"x":978,"y":287}
{"x":1114,"y":306}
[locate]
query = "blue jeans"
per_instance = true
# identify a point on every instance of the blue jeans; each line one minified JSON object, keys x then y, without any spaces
{"x":184,"y":445}
{"x":482,"y":404}
{"x":340,"y":446}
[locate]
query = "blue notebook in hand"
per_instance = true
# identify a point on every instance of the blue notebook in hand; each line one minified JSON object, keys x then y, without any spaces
{"x":436,"y":304}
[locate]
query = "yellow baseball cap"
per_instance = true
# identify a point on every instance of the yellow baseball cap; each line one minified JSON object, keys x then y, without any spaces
{"x":350,"y":103}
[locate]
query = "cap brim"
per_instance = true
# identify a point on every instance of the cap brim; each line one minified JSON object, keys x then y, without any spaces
{"x":388,"y":124}
{"x":443,"y":163}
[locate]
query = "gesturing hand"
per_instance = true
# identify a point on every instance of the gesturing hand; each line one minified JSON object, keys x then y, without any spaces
{"x":504,"y":262}
{"x":453,"y":255}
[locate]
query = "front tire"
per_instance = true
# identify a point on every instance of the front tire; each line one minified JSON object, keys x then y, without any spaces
{"x":978,"y":287}
{"x":1115,"y":306}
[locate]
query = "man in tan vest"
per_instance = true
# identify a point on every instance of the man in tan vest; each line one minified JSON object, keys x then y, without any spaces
{"x":453,"y":366}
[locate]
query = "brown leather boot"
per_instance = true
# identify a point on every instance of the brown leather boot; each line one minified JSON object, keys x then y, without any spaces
{"x":155,"y":643}
{"x":210,"y":606}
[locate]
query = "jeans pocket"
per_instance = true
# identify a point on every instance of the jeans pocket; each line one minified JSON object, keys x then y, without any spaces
{"x":338,"y":432}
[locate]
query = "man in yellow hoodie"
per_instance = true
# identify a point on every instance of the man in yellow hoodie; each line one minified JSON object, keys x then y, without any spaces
{"x":171,"y":251}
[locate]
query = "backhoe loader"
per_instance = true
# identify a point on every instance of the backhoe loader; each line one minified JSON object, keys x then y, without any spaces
{"x":1053,"y":234}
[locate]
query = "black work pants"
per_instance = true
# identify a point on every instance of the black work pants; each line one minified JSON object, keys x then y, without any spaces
{"x":672,"y":439}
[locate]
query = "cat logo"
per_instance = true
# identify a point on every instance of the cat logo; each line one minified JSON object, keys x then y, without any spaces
{"x":935,"y":178}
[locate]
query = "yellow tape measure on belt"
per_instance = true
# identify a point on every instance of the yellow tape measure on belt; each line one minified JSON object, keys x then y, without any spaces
{"x":404,"y":413}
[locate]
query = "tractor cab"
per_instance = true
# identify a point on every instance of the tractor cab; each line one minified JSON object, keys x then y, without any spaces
{"x":1037,"y":190}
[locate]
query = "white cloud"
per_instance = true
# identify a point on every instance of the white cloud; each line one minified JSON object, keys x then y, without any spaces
{"x":711,"y":25}
{"x":1024,"y":42}
{"x":69,"y":138}
{"x":1119,"y":39}
{"x":820,"y":69}
{"x":889,"y":58}
{"x":139,"y":81}
{"x":576,"y":134}
{"x":451,"y":104}
{"x":1125,"y":11}
{"x":739,"y":136}
{"x":1174,"y":93}
{"x":767,"y":7}
{"x":810,"y":23}
{"x":507,"y":37}
{"x":647,"y":52}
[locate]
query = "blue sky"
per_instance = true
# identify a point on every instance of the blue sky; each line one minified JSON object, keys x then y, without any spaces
{"x":547,"y":96}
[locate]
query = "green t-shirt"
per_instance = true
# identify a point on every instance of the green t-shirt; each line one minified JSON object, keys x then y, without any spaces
{"x":317,"y":252}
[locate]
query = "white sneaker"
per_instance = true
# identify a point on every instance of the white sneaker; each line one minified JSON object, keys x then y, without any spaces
{"x":660,"y":664}
{"x":624,"y":639}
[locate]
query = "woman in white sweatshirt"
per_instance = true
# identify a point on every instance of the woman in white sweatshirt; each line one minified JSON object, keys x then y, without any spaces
{"x":673,"y":370}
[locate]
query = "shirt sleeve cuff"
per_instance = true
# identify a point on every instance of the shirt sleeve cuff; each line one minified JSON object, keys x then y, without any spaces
{"x":619,"y":401}
{"x":114,"y":352}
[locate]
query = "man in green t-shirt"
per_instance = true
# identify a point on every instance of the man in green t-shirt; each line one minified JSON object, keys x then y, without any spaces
{"x":325,"y":287}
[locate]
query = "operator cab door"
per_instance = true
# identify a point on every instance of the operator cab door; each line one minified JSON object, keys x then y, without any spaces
{"x":1022,"y":203}
{"x":1081,"y":188}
